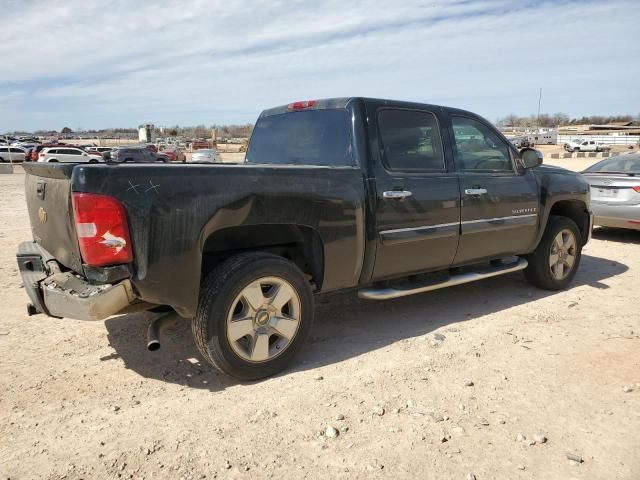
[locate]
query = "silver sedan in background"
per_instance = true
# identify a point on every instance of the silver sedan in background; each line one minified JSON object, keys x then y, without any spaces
{"x":208,"y":155}
{"x":615,"y":191}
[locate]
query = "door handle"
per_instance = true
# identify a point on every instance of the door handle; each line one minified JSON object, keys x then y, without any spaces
{"x":475,"y":191}
{"x":397,"y":194}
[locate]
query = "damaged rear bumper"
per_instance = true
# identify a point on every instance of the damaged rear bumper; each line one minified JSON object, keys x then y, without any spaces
{"x":67,"y":294}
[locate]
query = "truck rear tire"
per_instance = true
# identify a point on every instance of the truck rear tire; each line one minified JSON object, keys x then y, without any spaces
{"x":254,"y":314}
{"x":555,"y":261}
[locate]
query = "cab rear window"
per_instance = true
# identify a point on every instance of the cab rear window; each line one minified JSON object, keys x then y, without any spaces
{"x":309,"y":137}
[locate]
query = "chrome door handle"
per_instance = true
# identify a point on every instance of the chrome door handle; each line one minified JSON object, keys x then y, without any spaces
{"x":397,"y":194}
{"x":475,"y":191}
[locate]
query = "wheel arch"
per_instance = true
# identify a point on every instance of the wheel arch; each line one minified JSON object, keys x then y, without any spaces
{"x":300,"y":244}
{"x":574,"y":209}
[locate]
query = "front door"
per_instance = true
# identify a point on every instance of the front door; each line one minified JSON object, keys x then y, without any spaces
{"x":417,"y":196}
{"x":499,"y":209}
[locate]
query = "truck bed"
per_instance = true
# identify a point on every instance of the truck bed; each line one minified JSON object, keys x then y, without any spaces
{"x":173,"y":208}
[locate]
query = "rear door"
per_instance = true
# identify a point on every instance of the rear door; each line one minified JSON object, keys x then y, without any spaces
{"x":17,"y":154}
{"x":417,"y":209}
{"x":53,"y":153}
{"x":499,"y":200}
{"x":74,"y":155}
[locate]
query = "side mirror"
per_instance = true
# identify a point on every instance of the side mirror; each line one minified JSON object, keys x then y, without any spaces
{"x":530,"y":157}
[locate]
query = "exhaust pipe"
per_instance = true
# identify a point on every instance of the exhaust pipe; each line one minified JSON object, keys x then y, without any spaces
{"x":156,"y":326}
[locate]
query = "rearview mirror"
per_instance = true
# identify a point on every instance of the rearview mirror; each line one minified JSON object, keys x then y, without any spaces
{"x":530,"y":157}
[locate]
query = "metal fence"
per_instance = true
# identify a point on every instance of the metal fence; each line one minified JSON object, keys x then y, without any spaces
{"x":606,"y":139}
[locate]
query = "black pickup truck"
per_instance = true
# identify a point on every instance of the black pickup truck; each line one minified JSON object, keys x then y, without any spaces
{"x":390,"y":198}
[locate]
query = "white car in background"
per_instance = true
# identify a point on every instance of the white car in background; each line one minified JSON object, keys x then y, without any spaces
{"x":11,"y":154}
{"x":99,"y":149}
{"x":65,"y":154}
{"x":586,"y":146}
{"x":207,"y":155}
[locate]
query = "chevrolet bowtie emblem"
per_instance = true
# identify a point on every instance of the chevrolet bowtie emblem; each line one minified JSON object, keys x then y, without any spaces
{"x":42,"y":215}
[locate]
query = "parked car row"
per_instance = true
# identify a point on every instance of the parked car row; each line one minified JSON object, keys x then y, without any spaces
{"x":75,"y":154}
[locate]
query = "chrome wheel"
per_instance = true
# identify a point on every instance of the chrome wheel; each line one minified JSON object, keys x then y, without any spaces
{"x":563,"y":253}
{"x":263,"y":319}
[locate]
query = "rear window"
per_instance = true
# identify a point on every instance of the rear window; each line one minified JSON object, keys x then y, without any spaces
{"x":309,"y":137}
{"x":618,"y":164}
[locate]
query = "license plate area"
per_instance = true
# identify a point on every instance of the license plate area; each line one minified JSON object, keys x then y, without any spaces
{"x":608,"y":192}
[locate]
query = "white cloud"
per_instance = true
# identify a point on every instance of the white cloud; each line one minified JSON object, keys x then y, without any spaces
{"x":100,"y":64}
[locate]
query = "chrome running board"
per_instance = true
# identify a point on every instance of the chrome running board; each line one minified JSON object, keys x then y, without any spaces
{"x":386,"y":293}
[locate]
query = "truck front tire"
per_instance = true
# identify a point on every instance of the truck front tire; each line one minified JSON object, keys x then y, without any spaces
{"x":254,"y":314}
{"x":555,"y":261}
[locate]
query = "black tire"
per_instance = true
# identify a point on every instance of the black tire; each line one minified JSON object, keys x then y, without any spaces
{"x":218,"y":292}
{"x":539,"y":272}
{"x":1,"y":160}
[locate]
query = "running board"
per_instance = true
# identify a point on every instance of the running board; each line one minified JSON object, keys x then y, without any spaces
{"x":386,"y":293}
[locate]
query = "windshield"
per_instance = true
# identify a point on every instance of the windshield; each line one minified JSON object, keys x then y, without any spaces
{"x":618,"y":164}
{"x":309,"y":137}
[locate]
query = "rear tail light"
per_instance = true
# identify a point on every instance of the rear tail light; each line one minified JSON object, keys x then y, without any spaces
{"x":636,"y":188}
{"x":301,"y":105}
{"x":102,"y":230}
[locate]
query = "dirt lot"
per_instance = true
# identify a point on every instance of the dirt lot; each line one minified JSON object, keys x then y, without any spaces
{"x":438,"y":385}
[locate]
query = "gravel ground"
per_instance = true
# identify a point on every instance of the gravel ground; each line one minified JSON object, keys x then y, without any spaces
{"x":488,"y":380}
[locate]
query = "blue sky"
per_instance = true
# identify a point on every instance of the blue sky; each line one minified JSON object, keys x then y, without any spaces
{"x":92,"y":64}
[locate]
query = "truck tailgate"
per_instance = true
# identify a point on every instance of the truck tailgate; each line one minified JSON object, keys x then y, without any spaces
{"x":48,"y":194}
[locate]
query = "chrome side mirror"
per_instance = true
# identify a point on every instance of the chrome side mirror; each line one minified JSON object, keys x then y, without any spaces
{"x":530,"y":157}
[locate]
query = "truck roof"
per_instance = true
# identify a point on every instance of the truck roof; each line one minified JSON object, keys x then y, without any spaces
{"x":342,"y":102}
{"x":321,"y":104}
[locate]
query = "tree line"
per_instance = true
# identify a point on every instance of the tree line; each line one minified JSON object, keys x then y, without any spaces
{"x":202,"y":131}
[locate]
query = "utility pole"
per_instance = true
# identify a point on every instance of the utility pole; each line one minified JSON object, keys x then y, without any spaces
{"x":539,"y":102}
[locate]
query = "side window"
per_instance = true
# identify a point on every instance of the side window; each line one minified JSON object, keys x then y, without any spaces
{"x":478,"y":147}
{"x":72,"y":151}
{"x":4,"y":149}
{"x":410,"y":140}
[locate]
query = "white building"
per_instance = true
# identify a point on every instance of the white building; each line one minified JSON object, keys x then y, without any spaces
{"x":145,"y":132}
